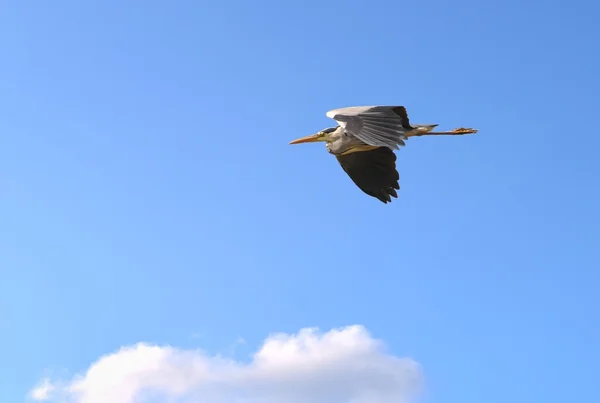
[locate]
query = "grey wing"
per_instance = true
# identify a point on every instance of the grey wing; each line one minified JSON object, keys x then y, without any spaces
{"x":383,"y":126}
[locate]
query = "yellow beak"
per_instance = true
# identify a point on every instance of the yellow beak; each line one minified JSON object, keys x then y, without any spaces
{"x":313,"y":138}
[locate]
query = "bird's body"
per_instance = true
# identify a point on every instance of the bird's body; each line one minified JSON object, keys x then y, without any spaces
{"x":364,"y":142}
{"x":340,"y":143}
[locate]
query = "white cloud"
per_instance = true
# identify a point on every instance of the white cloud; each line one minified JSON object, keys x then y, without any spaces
{"x":343,"y":365}
{"x":43,"y":390}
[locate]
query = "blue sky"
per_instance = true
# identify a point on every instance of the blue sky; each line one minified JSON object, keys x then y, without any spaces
{"x":149,"y":192}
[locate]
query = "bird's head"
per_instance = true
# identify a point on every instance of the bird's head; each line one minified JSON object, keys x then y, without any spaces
{"x":323,"y":135}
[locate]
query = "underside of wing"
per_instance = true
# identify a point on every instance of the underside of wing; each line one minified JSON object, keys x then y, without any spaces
{"x":383,"y":126}
{"x":374,"y":172}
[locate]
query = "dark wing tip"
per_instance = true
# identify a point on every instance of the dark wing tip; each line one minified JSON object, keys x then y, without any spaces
{"x":373,"y":171}
{"x":401,"y":111}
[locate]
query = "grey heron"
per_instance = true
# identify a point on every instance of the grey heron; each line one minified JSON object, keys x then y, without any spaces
{"x":364,"y":142}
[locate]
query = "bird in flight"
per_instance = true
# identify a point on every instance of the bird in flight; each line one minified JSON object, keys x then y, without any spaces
{"x":364,"y":142}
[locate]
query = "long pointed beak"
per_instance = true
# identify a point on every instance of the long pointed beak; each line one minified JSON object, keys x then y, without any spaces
{"x":313,"y":138}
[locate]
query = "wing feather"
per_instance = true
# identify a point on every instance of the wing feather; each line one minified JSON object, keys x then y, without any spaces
{"x":383,"y":126}
{"x":373,"y":171}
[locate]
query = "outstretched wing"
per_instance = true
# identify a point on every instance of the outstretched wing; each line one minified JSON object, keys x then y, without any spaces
{"x":383,"y":126}
{"x":373,"y":171}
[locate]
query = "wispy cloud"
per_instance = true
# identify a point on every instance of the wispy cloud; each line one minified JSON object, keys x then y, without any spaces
{"x":343,"y":365}
{"x":43,"y":390}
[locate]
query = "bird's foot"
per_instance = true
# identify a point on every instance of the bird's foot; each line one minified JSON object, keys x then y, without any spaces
{"x":464,"y":130}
